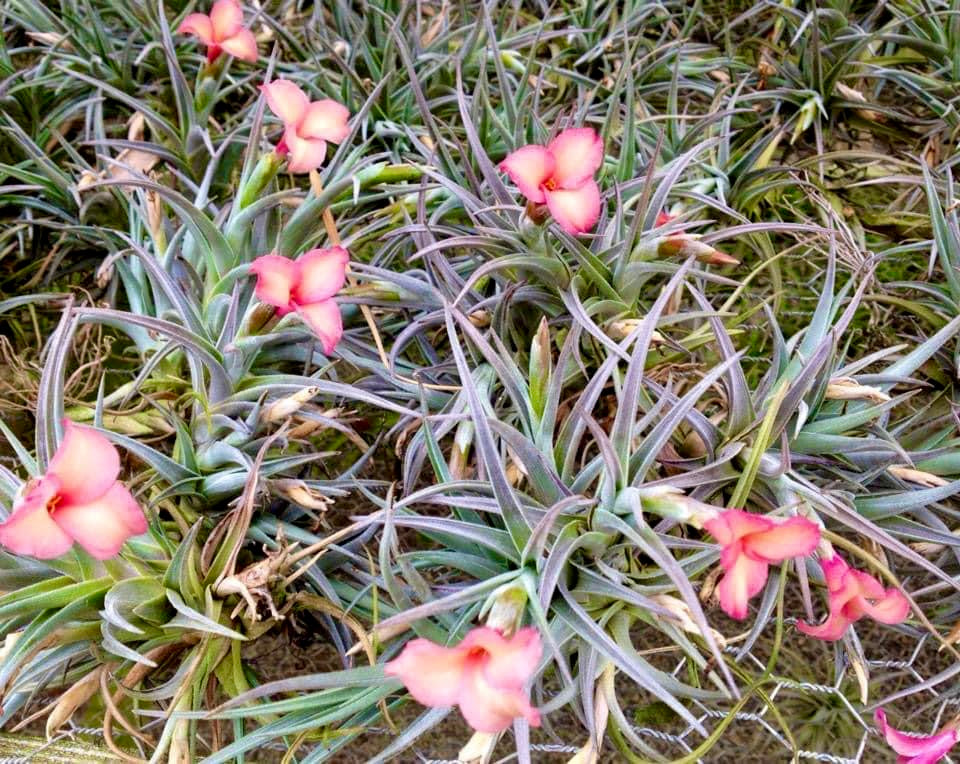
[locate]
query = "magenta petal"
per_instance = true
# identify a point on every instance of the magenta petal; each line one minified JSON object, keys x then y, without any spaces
{"x":794,"y":537}
{"x":276,"y":280}
{"x":322,"y":273}
{"x":242,"y":45}
{"x":509,"y":662}
{"x":431,"y":673}
{"x":529,"y":167}
{"x":742,"y":581}
{"x":86,"y":463}
{"x":198,"y":24}
{"x":734,"y":524}
{"x":325,"y":321}
{"x":226,"y":17}
{"x":917,"y":749}
{"x":103,"y":525}
{"x":578,"y":153}
{"x":576,"y":211}
{"x":830,"y":630}
{"x":30,"y":530}
{"x":325,"y":119}
{"x":287,"y":101}
{"x":304,"y":154}
{"x":488,"y":708}
{"x":892,"y":608}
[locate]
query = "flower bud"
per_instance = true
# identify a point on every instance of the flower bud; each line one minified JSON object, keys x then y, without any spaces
{"x":479,"y":748}
{"x":620,"y":330}
{"x":688,"y":244}
{"x":506,"y":607}
{"x":848,"y":389}
{"x":283,"y":408}
{"x":910,"y":475}
{"x":301,"y":494}
{"x":666,"y":501}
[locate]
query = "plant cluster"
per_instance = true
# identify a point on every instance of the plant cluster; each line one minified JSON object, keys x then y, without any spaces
{"x":558,"y":364}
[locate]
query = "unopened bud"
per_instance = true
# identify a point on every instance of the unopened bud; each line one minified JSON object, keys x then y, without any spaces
{"x":283,"y":408}
{"x":52,"y":39}
{"x":301,"y":494}
{"x":506,"y":607}
{"x":689,"y":245}
{"x":666,"y":501}
{"x":620,"y":330}
{"x":848,"y":389}
{"x":479,"y":748}
{"x":851,"y":94}
{"x":681,"y":613}
{"x":480,"y":318}
{"x":927,"y":479}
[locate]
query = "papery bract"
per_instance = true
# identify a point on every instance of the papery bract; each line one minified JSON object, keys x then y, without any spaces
{"x":560,"y":175}
{"x":79,"y":499}
{"x":308,"y":125}
{"x":750,"y":543}
{"x":306,"y":286}
{"x":917,"y":749}
{"x":221,"y":31}
{"x":852,"y":595}
{"x":485,"y":675}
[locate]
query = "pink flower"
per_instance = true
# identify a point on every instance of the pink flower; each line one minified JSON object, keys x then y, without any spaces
{"x":222,"y":31}
{"x":307,"y":286}
{"x":485,"y":675}
{"x":78,"y":499}
{"x":750,"y":543}
{"x":917,"y":750}
{"x":307,"y":125}
{"x":561,"y":176}
{"x":854,"y":594}
{"x":663,"y":218}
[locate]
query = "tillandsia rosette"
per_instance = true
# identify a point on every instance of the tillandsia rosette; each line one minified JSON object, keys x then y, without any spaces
{"x":563,"y":380}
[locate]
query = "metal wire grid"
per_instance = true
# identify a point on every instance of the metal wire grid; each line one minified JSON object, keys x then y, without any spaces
{"x":682,"y":742}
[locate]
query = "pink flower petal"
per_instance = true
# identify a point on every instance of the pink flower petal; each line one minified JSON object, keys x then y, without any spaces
{"x":576,"y":211}
{"x":509,"y":663}
{"x":30,"y":530}
{"x":198,"y":24}
{"x":892,"y":608}
{"x":304,"y":154}
{"x":325,"y":119}
{"x":325,"y":321}
{"x":488,"y":708}
{"x":286,"y":100}
{"x":86,"y":464}
{"x":321,"y":274}
{"x":742,"y":581}
{"x":431,"y":673}
{"x":529,"y":167}
{"x":226,"y":17}
{"x":734,"y":524}
{"x":830,"y":630}
{"x":835,"y":571}
{"x":794,"y":537}
{"x":916,"y":749}
{"x":242,"y":45}
{"x":578,"y":154}
{"x":276,"y":280}
{"x":867,"y":585}
{"x":103,"y":525}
